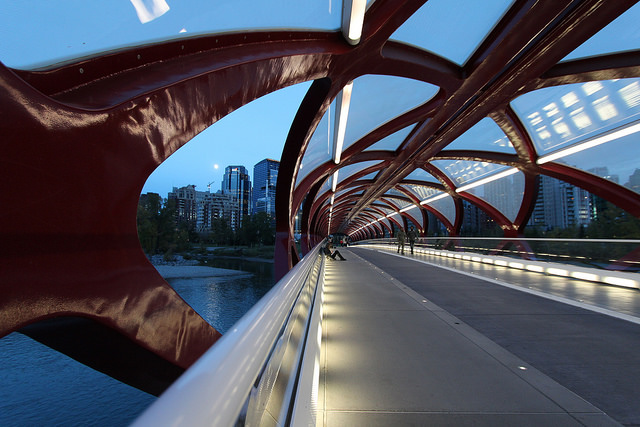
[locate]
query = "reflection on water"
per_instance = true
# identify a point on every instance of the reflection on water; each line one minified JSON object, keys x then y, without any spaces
{"x":39,"y":386}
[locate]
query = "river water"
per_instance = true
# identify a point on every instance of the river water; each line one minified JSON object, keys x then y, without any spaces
{"x":41,"y":387}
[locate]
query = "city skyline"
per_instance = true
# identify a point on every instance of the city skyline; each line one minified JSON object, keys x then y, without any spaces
{"x":260,"y":128}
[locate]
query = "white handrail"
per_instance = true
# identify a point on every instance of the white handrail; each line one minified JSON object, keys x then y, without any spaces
{"x":214,"y":390}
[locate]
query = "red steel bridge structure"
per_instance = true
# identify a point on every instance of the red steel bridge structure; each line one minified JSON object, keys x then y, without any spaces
{"x":94,"y":128}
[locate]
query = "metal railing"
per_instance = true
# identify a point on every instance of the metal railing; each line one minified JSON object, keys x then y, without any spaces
{"x":607,"y":254}
{"x":250,"y":376}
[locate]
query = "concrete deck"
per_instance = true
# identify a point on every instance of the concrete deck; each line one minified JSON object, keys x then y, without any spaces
{"x":391,"y":355}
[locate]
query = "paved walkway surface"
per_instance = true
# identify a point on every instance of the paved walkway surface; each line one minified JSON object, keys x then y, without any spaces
{"x":402,"y":346}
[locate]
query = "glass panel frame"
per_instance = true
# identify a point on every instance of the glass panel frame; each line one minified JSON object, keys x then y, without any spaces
{"x":444,"y":20}
{"x":377,"y":99}
{"x":463,"y":172}
{"x":485,"y":135}
{"x":42,"y":32}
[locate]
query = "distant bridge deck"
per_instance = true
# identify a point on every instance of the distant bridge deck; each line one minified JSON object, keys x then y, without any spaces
{"x":411,"y":343}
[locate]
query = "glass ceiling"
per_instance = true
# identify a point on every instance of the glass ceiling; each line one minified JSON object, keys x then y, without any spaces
{"x":452,"y":29}
{"x":377,"y":99}
{"x":593,"y":126}
{"x":42,"y":32}
{"x":623,"y":34}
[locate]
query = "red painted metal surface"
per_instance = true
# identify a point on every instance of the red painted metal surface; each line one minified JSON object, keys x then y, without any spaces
{"x":91,"y":132}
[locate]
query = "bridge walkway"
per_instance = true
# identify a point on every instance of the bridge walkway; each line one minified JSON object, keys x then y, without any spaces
{"x":407,"y":343}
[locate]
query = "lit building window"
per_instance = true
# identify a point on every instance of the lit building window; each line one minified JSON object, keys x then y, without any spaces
{"x":605,"y":109}
{"x":591,"y":87}
{"x":551,"y":109}
{"x":561,"y":128}
{"x":543,"y":133}
{"x":580,"y":118}
{"x":631,"y":94}
{"x":569,"y":99}
{"x":535,"y":118}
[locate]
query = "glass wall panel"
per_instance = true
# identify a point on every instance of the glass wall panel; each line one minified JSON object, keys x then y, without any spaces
{"x":621,"y":35}
{"x":464,"y":172}
{"x":391,"y":142}
{"x":41,"y":32}
{"x":349,"y":170}
{"x":504,"y":194}
{"x":617,"y":161}
{"x":561,"y":116}
{"x":320,"y":145}
{"x":421,"y":175}
{"x":565,"y":210}
{"x":445,"y":206}
{"x":435,"y":226}
{"x":476,"y":222}
{"x":485,"y":135}
{"x":376,"y":99}
{"x":452,"y":29}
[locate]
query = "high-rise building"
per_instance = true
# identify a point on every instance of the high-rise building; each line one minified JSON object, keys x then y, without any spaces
{"x":236,"y":184}
{"x":265,"y":176}
{"x":202,"y":207}
{"x":561,"y":205}
{"x":186,"y":204}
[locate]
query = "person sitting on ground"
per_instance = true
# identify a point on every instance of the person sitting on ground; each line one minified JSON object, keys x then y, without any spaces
{"x":327,"y":251}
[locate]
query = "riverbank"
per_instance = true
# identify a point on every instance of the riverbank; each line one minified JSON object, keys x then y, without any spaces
{"x":178,"y":267}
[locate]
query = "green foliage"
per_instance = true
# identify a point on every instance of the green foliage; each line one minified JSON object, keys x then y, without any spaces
{"x":159,"y":233}
{"x":256,"y":230}
{"x":157,"y":230}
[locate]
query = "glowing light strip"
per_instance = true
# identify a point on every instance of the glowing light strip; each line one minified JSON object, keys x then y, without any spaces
{"x":334,"y":181}
{"x":433,"y":199}
{"x":601,"y":139}
{"x":486,"y":180}
{"x":352,"y":20}
{"x":408,"y":208}
{"x":342,"y":113}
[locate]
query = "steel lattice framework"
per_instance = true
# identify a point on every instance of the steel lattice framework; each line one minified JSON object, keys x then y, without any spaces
{"x":94,"y":130}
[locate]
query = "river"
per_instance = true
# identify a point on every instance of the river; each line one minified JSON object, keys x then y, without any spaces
{"x":41,"y":387}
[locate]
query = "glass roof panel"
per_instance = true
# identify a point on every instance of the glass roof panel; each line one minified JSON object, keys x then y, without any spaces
{"x":422,"y":192}
{"x":485,"y":135}
{"x":444,"y":204}
{"x":393,"y":141}
{"x":504,"y":194}
{"x":348,"y":171}
{"x":394,"y":192}
{"x":421,"y":175}
{"x":400,"y":203}
{"x":623,"y":34}
{"x":452,"y":29}
{"x":386,"y":209}
{"x":561,"y":116}
{"x":464,"y":172}
{"x":618,"y":161}
{"x":369,"y":176}
{"x":376,"y":99}
{"x":41,"y":32}
{"x":320,"y":145}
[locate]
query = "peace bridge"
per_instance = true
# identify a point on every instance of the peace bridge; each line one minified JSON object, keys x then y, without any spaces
{"x":405,"y":124}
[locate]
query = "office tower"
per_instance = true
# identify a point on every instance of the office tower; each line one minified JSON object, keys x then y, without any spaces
{"x":265,"y":176}
{"x":236,"y":184}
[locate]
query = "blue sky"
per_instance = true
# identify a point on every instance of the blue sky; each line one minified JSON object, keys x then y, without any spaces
{"x":246,"y":136}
